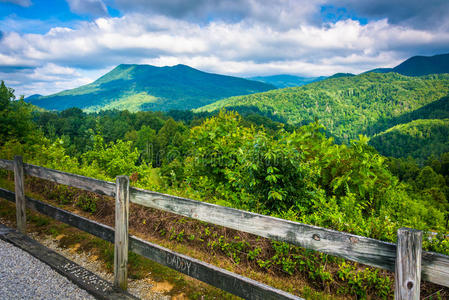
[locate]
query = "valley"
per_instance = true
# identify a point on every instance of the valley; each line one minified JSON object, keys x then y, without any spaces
{"x":364,"y":154}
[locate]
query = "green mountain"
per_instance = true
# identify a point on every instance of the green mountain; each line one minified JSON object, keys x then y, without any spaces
{"x":438,"y":109}
{"x":420,"y":65}
{"x":419,"y":139}
{"x":364,"y":104}
{"x":380,"y":70}
{"x":420,"y":133}
{"x":338,"y":75}
{"x":34,"y":96}
{"x":284,"y":80}
{"x":145,"y":87}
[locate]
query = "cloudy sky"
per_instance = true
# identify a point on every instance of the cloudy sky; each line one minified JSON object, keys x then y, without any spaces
{"x":48,"y":46}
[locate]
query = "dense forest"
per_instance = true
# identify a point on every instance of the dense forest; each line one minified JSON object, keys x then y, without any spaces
{"x":349,"y":105}
{"x":419,"y":139}
{"x":251,"y":163}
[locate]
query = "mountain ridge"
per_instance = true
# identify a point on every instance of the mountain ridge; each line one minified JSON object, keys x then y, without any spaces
{"x":419,"y":66}
{"x":347,"y":106}
{"x":420,"y":139}
{"x":286,"y":80}
{"x":145,"y":87}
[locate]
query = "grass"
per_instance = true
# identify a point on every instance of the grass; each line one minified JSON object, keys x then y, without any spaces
{"x":131,"y":102}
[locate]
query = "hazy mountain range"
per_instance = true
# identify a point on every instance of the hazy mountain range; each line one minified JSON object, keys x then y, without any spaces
{"x":284,"y":80}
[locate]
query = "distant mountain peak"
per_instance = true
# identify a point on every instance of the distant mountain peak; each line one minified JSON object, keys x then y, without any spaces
{"x":146,"y":87}
{"x":182,"y":66}
{"x":420,"y":65}
{"x":34,"y":96}
{"x":338,"y":75}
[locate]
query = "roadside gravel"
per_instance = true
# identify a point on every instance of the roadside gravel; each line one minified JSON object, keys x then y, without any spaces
{"x":22,"y":276}
{"x":145,"y":289}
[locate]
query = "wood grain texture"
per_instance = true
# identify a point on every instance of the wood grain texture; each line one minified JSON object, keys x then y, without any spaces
{"x":408,"y":264}
{"x":8,"y":195}
{"x":19,"y":186}
{"x":356,"y":248}
{"x":99,"y":230}
{"x":6,"y":164}
{"x":121,"y":233}
{"x":223,"y":279}
{"x":435,"y":267}
{"x":82,"y":182}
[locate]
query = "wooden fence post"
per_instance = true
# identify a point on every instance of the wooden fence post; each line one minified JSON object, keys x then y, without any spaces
{"x":121,"y":232}
{"x":408,"y":264}
{"x":19,"y":185}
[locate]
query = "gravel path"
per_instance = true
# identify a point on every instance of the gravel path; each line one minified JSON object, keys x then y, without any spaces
{"x":24,"y":277}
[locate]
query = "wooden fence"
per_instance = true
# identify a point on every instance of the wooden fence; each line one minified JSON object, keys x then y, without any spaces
{"x":405,"y":258}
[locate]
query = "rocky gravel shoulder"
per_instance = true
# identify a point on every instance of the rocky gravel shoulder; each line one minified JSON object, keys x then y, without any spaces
{"x":145,"y":289}
{"x":23,"y":276}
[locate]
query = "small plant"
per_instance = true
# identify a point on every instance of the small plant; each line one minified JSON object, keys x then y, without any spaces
{"x":253,"y":254}
{"x":363,"y":281}
{"x":87,"y":203}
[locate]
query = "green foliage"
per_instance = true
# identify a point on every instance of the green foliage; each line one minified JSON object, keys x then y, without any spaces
{"x":232,"y":249}
{"x":419,"y":139}
{"x":114,"y":159}
{"x":364,"y":282}
{"x":429,"y":183}
{"x":87,"y":203}
{"x":305,"y":176}
{"x":347,"y":106}
{"x":213,"y":154}
{"x":143,"y":141}
{"x":61,"y":193}
{"x":299,"y":175}
{"x":6,"y":96}
{"x":438,"y":109}
{"x":15,"y":116}
{"x":247,"y":168}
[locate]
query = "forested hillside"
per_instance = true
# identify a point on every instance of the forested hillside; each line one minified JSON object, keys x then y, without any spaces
{"x":347,"y":106}
{"x":419,"y":139}
{"x":421,"y":134}
{"x":298,"y":175}
{"x":145,"y":87}
{"x":438,"y":109}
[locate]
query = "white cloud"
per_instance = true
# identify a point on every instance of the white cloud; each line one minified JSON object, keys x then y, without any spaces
{"x":244,"y":48}
{"x":47,"y":79}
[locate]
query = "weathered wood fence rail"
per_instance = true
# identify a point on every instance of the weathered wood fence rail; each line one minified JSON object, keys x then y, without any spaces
{"x":406,"y":259}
